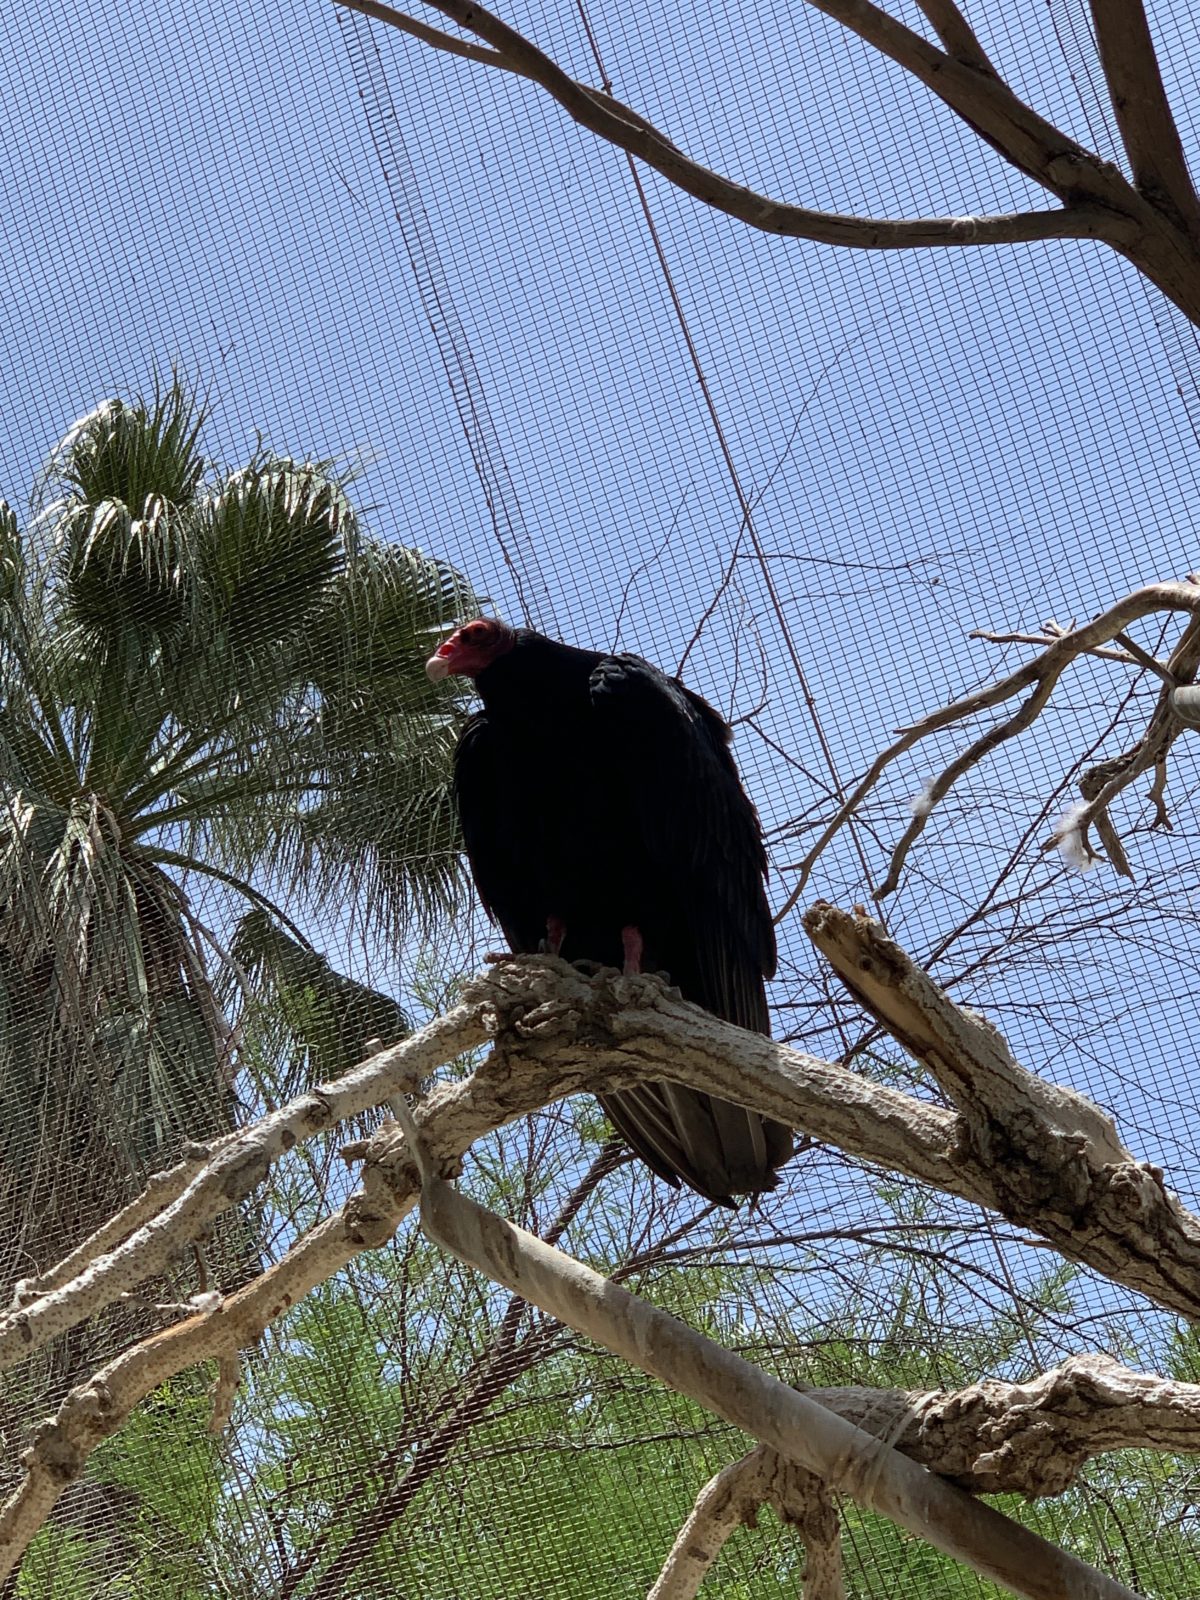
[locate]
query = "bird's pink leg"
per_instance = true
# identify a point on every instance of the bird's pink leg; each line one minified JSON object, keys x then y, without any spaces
{"x":634,"y":948}
{"x":556,"y":932}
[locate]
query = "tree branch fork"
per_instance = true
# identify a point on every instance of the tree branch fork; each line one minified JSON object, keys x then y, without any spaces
{"x":1151,"y":217}
{"x":1176,"y":710}
{"x":1007,"y":1140}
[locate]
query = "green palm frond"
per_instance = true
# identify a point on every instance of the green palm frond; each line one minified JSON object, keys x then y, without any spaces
{"x":122,"y":474}
{"x":205,"y":676}
{"x":12,"y":564}
{"x":125,"y":569}
{"x":387,"y":841}
{"x":107,"y":1027}
{"x":132,"y":452}
{"x":316,"y":1019}
{"x":376,"y":632}
{"x":274,"y":537}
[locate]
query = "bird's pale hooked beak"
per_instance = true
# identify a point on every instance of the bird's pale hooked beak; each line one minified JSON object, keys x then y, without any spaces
{"x":438,"y":665}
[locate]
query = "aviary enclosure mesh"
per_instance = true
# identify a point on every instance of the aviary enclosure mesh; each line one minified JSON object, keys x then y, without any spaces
{"x":371,"y":252}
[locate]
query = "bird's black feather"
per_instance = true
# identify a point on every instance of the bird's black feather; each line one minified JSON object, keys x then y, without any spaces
{"x":598,"y":791}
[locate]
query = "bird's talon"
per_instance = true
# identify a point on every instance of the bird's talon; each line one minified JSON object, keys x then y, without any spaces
{"x":550,"y":1017}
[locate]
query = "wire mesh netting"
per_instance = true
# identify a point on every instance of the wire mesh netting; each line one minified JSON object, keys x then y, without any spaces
{"x":443,"y":348}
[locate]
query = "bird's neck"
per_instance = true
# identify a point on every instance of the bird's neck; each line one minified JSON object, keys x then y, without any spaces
{"x":536,"y":677}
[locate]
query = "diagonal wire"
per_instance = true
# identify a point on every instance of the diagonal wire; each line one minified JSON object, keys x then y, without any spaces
{"x":449,"y":333}
{"x":743,"y":499}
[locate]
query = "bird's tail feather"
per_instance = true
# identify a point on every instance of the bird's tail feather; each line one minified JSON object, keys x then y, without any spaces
{"x":719,"y":1149}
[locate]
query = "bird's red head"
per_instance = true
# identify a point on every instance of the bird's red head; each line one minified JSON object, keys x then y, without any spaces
{"x":470,"y":648}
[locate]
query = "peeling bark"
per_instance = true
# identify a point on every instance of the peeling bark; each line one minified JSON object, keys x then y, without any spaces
{"x":795,"y":1426}
{"x":1040,"y":1154}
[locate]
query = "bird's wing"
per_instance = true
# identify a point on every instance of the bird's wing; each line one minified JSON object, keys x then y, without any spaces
{"x":683,"y":794}
{"x":499,"y":832}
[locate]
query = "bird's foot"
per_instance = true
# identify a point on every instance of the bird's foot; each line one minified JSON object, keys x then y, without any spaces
{"x":591,"y":969}
{"x":556,"y":932}
{"x":634,"y":947}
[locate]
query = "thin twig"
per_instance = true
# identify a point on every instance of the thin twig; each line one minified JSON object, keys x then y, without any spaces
{"x":1041,"y":674}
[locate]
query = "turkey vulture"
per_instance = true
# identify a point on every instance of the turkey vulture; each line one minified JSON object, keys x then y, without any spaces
{"x":604,"y":821}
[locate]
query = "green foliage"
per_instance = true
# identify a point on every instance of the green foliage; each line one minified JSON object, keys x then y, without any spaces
{"x":306,"y":1016}
{"x":143,"y":1522}
{"x":205,"y":674}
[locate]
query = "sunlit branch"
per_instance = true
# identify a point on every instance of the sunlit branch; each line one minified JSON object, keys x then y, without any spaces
{"x":1064,"y":1173}
{"x":1139,"y":100}
{"x":798,"y":1429}
{"x":630,"y":131}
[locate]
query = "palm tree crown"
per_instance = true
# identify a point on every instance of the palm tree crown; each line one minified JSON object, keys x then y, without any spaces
{"x":203,"y":675}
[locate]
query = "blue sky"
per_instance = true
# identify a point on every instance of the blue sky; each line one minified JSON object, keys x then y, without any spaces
{"x":953,"y":441}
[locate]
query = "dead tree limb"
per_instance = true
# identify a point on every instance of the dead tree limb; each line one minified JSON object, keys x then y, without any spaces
{"x":1144,"y":117}
{"x":178,"y":1205}
{"x":593,"y":109}
{"x":732,"y":1500}
{"x":1040,"y":676}
{"x":804,"y":1501}
{"x":1064,"y":1174}
{"x":1033,"y":1146}
{"x":549,"y":1023}
{"x":1031,"y":1438}
{"x":1151,"y":221}
{"x":796,"y":1427}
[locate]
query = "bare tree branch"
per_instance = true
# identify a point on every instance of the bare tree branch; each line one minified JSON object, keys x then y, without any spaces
{"x":1031,"y":1144}
{"x":985,"y":103}
{"x":437,"y":37}
{"x":630,"y":131}
{"x":1051,"y":631}
{"x":957,"y":36}
{"x":731,"y":1500}
{"x":1101,"y":786}
{"x":1038,"y":1153}
{"x":1041,"y":675}
{"x":1148,"y":128}
{"x":450,"y":44}
{"x":196,"y":1197}
{"x":1030,"y":1438}
{"x":535,"y":1012}
{"x":727,"y":1502}
{"x":804,"y":1501}
{"x":1098,"y":202}
{"x":796,"y":1427}
{"x":558,"y":1032}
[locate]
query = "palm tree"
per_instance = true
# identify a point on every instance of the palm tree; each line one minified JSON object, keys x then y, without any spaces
{"x":205,"y":677}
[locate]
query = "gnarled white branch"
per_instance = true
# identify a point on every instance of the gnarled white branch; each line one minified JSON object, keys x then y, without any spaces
{"x":731,"y":1500}
{"x":727,"y":1502}
{"x":797,"y":1427}
{"x":1038,"y":1153}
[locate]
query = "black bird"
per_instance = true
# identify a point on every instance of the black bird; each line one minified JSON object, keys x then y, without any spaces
{"x":604,"y":820}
